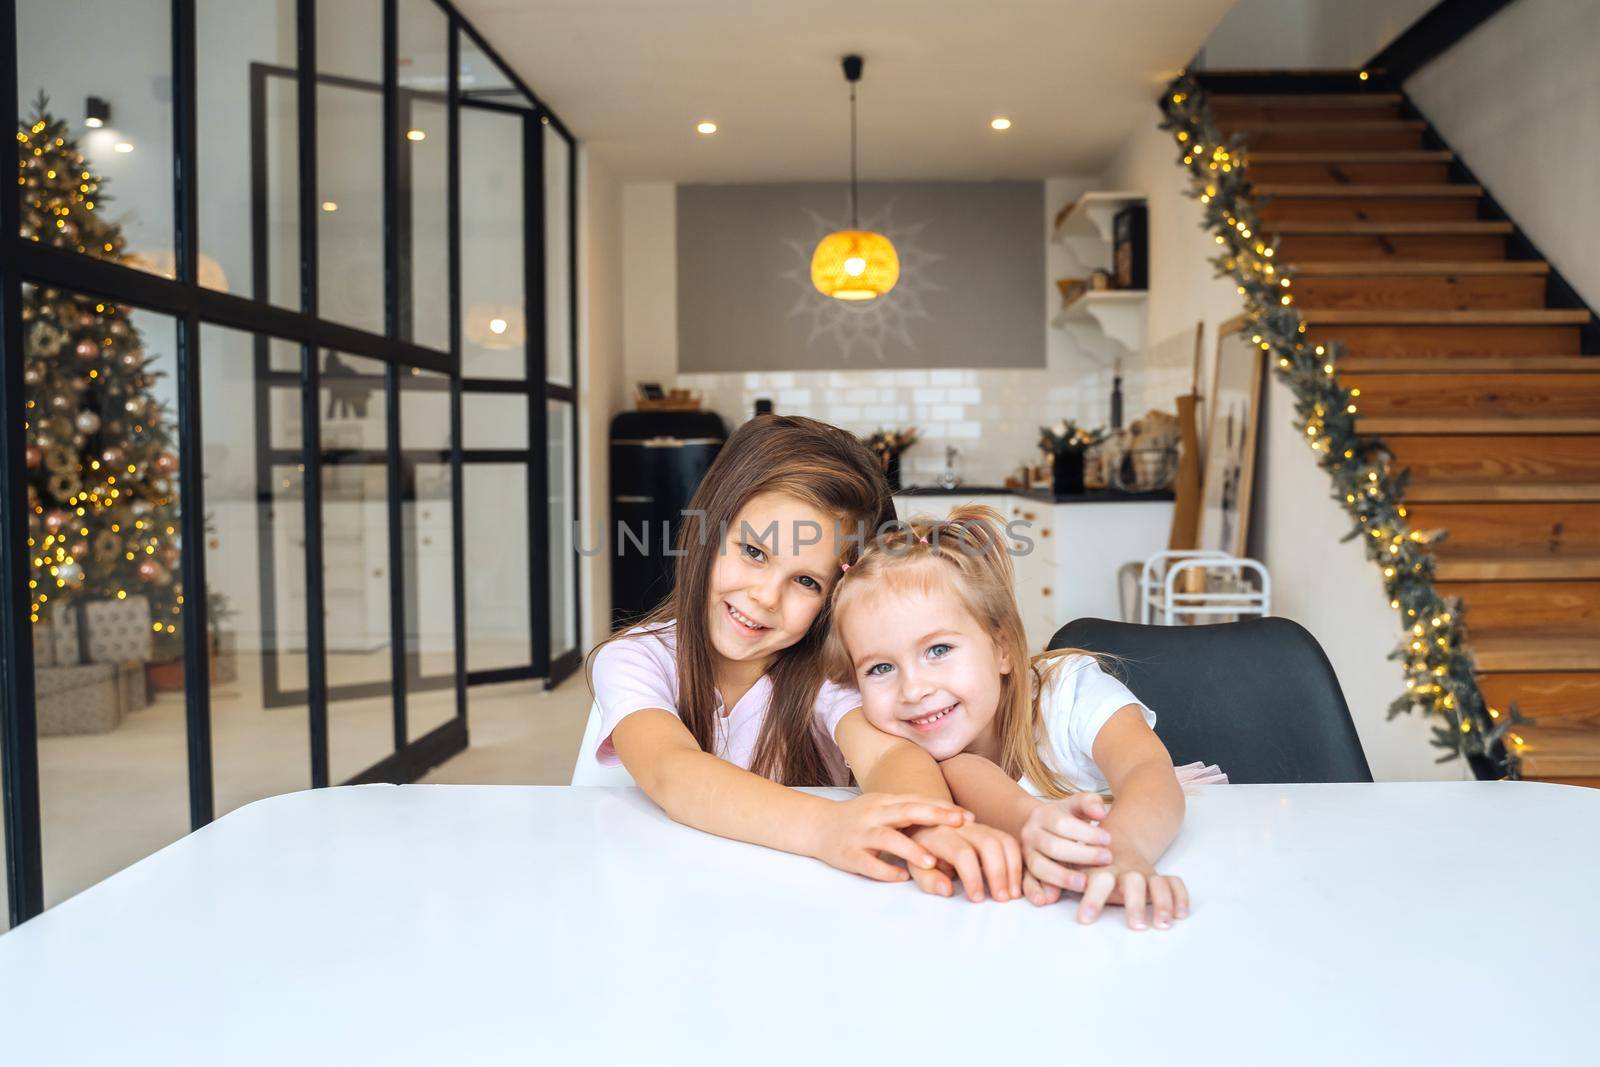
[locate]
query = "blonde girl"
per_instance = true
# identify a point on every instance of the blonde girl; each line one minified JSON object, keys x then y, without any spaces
{"x":926,"y":626}
{"x":716,"y":702}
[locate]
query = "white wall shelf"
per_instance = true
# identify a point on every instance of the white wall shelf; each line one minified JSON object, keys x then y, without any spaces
{"x":1107,"y":321}
{"x":1086,"y":230}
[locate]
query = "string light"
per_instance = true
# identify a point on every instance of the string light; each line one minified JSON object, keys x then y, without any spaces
{"x":1439,"y":671}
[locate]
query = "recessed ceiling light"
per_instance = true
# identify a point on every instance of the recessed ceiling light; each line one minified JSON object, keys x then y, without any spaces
{"x":123,"y":147}
{"x":416,"y":135}
{"x":707,"y":127}
{"x":497,"y":325}
{"x":1001,"y":123}
{"x":329,"y":205}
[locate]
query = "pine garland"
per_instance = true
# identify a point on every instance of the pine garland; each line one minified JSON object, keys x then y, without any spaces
{"x":1439,"y":670}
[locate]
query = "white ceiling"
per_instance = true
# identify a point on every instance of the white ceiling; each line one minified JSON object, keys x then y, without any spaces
{"x":632,"y":77}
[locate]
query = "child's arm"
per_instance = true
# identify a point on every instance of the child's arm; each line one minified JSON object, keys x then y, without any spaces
{"x":1146,"y":813}
{"x":886,"y":764}
{"x":700,"y":790}
{"x":1056,"y":836}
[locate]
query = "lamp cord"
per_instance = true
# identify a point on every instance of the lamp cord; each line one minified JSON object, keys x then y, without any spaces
{"x":855,"y":223}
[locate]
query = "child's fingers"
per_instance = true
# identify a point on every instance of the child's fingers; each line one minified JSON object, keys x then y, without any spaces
{"x":1040,"y":893}
{"x":957,"y":852}
{"x":992,"y":853}
{"x":1100,"y":884}
{"x":1049,"y":872}
{"x":885,"y":839}
{"x":907,"y":811}
{"x":1087,"y":806}
{"x":1064,"y":823}
{"x":932,"y":880}
{"x":1064,"y":850}
{"x":871,"y":865}
{"x":1180,"y":897}
{"x":1013,"y":863}
{"x":1160,"y":903}
{"x":1133,"y":890}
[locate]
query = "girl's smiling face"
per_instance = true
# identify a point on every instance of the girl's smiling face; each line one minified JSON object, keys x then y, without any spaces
{"x":925,"y":668}
{"x":767,"y":584}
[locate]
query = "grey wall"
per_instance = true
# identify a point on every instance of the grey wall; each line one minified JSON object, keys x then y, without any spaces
{"x":971,"y":271}
{"x":1518,"y":99}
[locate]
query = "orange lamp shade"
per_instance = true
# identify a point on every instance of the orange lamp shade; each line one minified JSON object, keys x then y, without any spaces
{"x":854,"y":265}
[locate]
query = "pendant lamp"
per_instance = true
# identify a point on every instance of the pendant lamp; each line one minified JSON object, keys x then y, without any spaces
{"x":854,"y":264}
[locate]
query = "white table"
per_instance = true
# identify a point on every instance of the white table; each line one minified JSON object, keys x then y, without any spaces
{"x":1401,"y":923}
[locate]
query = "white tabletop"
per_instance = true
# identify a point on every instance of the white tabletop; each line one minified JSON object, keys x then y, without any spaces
{"x":1400,"y":923}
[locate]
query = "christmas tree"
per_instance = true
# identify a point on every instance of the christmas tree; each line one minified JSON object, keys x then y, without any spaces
{"x":102,"y":468}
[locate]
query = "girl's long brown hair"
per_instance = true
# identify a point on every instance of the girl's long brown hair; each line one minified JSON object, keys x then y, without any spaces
{"x":820,"y":465}
{"x":967,"y":554}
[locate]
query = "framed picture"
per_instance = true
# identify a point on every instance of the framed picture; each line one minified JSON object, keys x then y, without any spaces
{"x":651,"y":391}
{"x":1229,"y":448}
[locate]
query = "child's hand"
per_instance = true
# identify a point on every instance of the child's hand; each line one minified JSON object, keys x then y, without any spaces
{"x":1059,"y":837}
{"x":970,"y":852}
{"x":1128,"y":881}
{"x":852,"y":833}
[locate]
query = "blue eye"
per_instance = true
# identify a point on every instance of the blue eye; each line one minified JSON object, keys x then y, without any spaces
{"x":873,"y":670}
{"x":752,"y":552}
{"x":934,"y":648}
{"x":811,"y":582}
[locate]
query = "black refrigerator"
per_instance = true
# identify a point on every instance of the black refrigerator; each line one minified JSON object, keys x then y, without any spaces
{"x":657,"y":461}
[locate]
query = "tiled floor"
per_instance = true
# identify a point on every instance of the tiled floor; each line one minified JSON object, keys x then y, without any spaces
{"x":107,"y":800}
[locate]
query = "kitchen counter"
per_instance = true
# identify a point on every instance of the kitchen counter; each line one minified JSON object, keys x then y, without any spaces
{"x":1044,"y":496}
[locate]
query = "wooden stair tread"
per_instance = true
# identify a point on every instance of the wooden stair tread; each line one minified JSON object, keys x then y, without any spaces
{"x":1515,"y":568}
{"x":1468,"y":364}
{"x":1496,"y":425}
{"x":1500,"y":492}
{"x":1556,"y":751}
{"x":1342,"y":155}
{"x":1521,"y":652}
{"x":1420,"y":190}
{"x":1367,"y":268}
{"x":1471,"y":317}
{"x":1286,"y":99}
{"x":1477,"y":228}
{"x":1324,"y":125}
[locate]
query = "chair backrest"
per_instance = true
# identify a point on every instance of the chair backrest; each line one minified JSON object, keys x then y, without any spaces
{"x":1258,"y":698}
{"x":590,"y":771}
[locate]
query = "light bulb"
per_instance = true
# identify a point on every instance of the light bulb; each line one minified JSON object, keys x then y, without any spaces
{"x":416,"y":135}
{"x":1001,"y":123}
{"x":707,"y":127}
{"x":497,"y":325}
{"x":854,"y":266}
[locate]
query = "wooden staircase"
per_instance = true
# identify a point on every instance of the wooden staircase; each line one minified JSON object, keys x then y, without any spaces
{"x":1477,"y":377}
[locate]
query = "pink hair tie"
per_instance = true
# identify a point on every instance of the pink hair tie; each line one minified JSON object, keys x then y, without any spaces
{"x":844,"y":566}
{"x":922,"y":540}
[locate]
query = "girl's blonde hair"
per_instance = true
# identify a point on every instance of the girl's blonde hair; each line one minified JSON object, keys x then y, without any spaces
{"x":813,"y":462}
{"x":966,"y":553}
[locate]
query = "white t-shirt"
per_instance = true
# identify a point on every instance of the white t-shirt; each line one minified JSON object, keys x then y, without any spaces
{"x":1077,"y":701}
{"x":640,"y":671}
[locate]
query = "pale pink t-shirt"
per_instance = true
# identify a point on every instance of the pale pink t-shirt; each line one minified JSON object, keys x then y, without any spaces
{"x":640,"y":671}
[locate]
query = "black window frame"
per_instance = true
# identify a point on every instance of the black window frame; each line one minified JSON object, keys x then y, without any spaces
{"x":191,"y":306}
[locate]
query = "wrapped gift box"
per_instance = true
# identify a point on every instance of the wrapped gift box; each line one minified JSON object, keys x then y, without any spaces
{"x":87,"y":698}
{"x":115,"y":631}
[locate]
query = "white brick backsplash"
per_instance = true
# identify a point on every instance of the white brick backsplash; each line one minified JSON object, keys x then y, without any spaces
{"x":992,"y":416}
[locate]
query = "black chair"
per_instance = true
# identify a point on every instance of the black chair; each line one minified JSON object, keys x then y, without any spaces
{"x":1258,"y":698}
